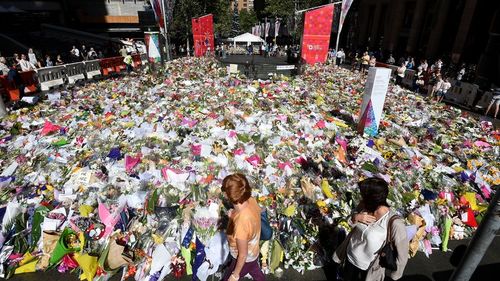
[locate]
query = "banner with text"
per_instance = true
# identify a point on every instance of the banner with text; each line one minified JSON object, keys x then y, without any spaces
{"x":316,"y":38}
{"x":203,"y":34}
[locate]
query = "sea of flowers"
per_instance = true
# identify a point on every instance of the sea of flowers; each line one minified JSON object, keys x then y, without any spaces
{"x":123,"y":176}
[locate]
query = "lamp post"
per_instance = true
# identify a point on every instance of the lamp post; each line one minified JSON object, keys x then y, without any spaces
{"x":165,"y":30}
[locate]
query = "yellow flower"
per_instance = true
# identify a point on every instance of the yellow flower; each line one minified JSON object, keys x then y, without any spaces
{"x":321,"y":204}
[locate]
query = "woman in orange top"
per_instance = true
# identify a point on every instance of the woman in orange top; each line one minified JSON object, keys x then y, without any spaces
{"x":243,"y":231}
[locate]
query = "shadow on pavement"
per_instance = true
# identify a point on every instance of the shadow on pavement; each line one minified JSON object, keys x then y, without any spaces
{"x":487,"y":272}
{"x":414,"y":278}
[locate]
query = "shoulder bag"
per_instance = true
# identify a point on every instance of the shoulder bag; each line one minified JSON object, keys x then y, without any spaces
{"x":388,"y":253}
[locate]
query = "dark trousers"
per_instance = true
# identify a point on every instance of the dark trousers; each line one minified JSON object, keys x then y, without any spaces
{"x":353,"y":273}
{"x":251,"y":268}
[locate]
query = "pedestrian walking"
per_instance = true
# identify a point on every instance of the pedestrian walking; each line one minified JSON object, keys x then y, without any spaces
{"x":244,"y":229}
{"x":375,"y":227}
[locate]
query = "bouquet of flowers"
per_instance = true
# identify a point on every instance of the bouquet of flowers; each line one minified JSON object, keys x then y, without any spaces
{"x":205,"y":221}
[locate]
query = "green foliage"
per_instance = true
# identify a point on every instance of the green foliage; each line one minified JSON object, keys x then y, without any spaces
{"x":280,"y":8}
{"x":247,"y":20}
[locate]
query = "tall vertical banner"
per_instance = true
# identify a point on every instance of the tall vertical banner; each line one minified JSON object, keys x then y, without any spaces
{"x":377,"y":83}
{"x":203,"y":34}
{"x":316,"y":38}
{"x":153,"y":46}
{"x":346,"y":5}
{"x":157,"y":9}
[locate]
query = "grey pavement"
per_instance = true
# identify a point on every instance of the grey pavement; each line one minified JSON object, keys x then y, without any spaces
{"x":437,"y":267}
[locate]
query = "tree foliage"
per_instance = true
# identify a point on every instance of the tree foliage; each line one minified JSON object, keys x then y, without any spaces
{"x":248,"y":19}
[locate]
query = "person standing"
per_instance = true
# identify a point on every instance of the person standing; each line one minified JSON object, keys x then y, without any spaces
{"x":32,"y":58}
{"x":25,"y":65}
{"x":340,"y":57}
{"x":494,"y":100}
{"x":374,"y":225}
{"x":445,"y":86}
{"x":4,"y":69}
{"x":123,"y":51}
{"x":84,"y":53}
{"x":400,"y":74}
{"x":75,"y":54}
{"x":373,"y":61}
{"x":129,"y":62}
{"x":92,"y":55}
{"x":391,"y":60}
{"x":243,"y":231}
{"x":365,"y":62}
{"x":419,"y":79}
{"x":437,"y":86}
{"x":48,"y":61}
{"x":59,"y":60}
{"x":14,"y":78}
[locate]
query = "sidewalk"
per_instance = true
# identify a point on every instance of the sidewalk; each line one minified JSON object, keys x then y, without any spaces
{"x":437,"y":267}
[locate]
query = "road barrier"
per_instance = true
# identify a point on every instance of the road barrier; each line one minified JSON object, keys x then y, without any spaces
{"x":107,"y":66}
{"x":408,"y":79}
{"x":92,"y":68}
{"x":75,"y":72}
{"x":462,"y":93}
{"x":137,"y":61}
{"x":49,"y":77}
{"x":9,"y":88}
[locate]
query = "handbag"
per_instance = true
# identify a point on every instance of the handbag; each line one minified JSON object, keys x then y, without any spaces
{"x":266,"y":232}
{"x":388,"y":254}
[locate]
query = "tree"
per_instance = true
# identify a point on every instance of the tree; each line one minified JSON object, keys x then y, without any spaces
{"x":235,"y":26}
{"x":247,"y":20}
{"x":222,"y":18}
{"x":280,"y":8}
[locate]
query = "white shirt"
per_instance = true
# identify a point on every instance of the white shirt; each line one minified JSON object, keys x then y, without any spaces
{"x":445,"y":86}
{"x":32,"y":58}
{"x":366,"y":241}
{"x":401,"y":71}
{"x":26,"y":65}
{"x":76,"y":52}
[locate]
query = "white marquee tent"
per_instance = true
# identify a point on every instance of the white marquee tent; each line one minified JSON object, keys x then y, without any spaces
{"x":247,"y":38}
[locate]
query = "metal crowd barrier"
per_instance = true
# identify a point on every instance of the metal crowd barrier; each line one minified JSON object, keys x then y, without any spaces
{"x":92,"y":68}
{"x":53,"y":76}
{"x":462,"y":93}
{"x":408,"y":79}
{"x":49,"y":77}
{"x":75,"y":72}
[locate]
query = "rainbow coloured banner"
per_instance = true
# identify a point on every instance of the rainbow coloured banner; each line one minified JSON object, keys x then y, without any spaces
{"x":377,"y":83}
{"x":203,"y":34}
{"x":153,"y":46}
{"x":317,"y":31}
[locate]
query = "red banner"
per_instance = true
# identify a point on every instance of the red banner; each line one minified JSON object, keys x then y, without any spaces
{"x":203,"y":35}
{"x":316,"y":38}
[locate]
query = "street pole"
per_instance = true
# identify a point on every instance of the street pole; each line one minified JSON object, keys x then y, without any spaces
{"x":165,"y":31}
{"x":3,"y":110}
{"x":481,"y":240}
{"x":265,"y":31}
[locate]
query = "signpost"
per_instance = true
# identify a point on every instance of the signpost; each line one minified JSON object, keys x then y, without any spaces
{"x":376,"y":87}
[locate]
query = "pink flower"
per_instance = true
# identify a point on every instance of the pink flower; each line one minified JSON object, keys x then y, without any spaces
{"x":239,"y":151}
{"x":196,"y":149}
{"x":254,"y":160}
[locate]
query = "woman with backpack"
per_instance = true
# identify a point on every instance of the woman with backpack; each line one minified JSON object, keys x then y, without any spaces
{"x":377,"y":243}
